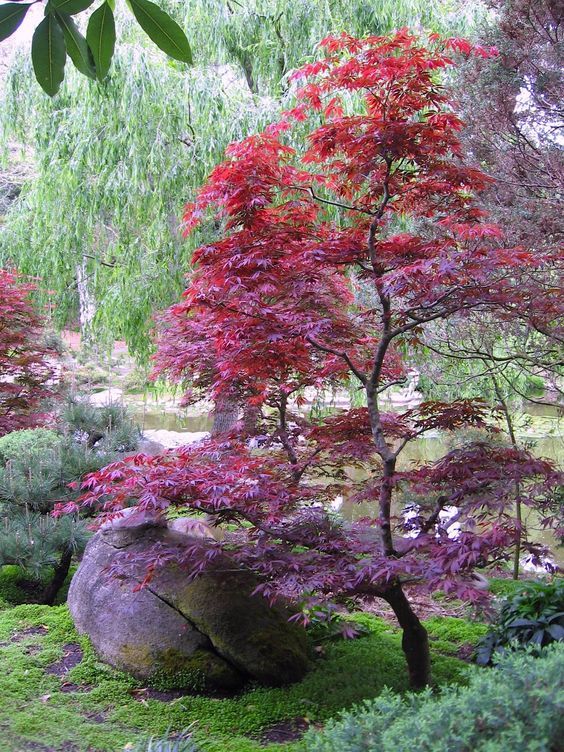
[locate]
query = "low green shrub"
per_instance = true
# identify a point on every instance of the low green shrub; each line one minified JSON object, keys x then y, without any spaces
{"x":534,"y":617}
{"x":36,"y":468}
{"x":28,"y":442}
{"x":517,"y":706}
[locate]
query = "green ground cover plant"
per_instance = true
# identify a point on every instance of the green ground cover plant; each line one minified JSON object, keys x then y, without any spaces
{"x":98,"y":709}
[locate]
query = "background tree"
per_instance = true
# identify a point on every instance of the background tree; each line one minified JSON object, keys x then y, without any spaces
{"x":270,"y":308}
{"x":513,"y":111}
{"x":26,"y":366}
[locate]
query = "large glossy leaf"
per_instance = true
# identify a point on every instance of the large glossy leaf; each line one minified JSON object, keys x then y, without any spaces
{"x":76,"y":45}
{"x":101,"y":38}
{"x":11,"y":16}
{"x":520,"y":623}
{"x":48,"y":54}
{"x":71,"y":6}
{"x":164,"y":32}
{"x":556,"y":632}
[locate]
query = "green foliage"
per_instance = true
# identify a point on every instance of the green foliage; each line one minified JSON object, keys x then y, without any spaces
{"x":29,"y":441}
{"x":118,"y":196}
{"x":266,"y":39}
{"x":164,"y":32}
{"x":37,"y":479}
{"x":115,"y":711}
{"x":109,"y":427}
{"x":517,"y":706}
{"x":35,"y":541}
{"x":36,"y":468}
{"x":101,"y":38}
{"x":533,"y":617}
{"x":450,"y":634}
{"x":179,"y":743}
{"x":76,"y":45}
{"x":58,"y":34}
{"x":48,"y":54}
{"x":11,"y":16}
{"x":503,"y":587}
{"x":17,"y":589}
{"x":117,"y":161}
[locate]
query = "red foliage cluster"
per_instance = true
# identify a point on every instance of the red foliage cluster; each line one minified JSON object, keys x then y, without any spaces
{"x":25,"y":365}
{"x":333,"y":256}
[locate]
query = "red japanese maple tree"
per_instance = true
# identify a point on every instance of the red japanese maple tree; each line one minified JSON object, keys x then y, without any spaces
{"x":26,"y":366}
{"x":347,"y":227}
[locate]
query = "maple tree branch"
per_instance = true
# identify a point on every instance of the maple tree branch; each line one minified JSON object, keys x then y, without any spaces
{"x":390,"y":384}
{"x":282,"y":433}
{"x":324,"y":348}
{"x":348,"y":207}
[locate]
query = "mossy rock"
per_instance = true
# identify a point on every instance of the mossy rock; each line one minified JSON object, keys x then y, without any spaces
{"x":208,"y":634}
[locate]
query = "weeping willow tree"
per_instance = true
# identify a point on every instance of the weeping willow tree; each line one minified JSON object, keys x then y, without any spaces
{"x":266,"y":39}
{"x":114,"y":162}
{"x":114,"y":165}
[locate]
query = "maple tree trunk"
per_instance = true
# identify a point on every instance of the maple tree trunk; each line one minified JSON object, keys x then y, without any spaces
{"x":225,"y":415}
{"x":250,"y":419}
{"x":415,"y":641}
{"x":59,"y":576}
{"x":514,"y":444}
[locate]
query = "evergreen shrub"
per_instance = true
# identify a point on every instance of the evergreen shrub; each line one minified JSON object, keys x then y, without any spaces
{"x":519,"y":705}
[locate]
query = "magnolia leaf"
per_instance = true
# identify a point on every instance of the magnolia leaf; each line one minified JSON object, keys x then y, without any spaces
{"x":71,"y":6}
{"x":160,"y":27}
{"x":76,"y":45}
{"x":101,"y":38}
{"x":11,"y":16}
{"x":48,"y":54}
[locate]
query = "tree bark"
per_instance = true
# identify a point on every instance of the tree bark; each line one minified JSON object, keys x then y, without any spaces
{"x":59,"y":576}
{"x":415,"y":641}
{"x":86,"y":300}
{"x":514,"y":444}
{"x":225,"y":415}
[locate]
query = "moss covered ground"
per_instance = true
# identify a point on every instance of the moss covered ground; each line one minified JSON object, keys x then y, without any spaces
{"x":48,"y":704}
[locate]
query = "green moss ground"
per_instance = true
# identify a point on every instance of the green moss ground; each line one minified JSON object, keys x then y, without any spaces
{"x":35,"y":709}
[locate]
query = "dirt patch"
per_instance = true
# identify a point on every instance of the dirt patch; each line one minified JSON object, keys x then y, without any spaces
{"x":163,"y":695}
{"x":71,"y":687}
{"x":28,"y":632}
{"x":71,"y":657}
{"x":466,"y":652}
{"x":37,"y":747}
{"x":32,"y":649}
{"x":284,"y":731}
{"x":96,"y":716}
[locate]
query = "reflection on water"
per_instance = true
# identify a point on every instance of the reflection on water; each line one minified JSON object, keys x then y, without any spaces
{"x":171,"y":421}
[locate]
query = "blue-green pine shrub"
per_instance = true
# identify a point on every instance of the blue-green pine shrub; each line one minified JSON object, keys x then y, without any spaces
{"x":517,"y":706}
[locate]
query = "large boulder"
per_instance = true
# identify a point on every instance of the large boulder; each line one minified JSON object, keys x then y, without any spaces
{"x":209,"y":634}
